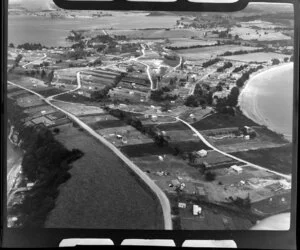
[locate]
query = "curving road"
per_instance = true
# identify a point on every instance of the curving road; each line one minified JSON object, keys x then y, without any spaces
{"x":50,"y":98}
{"x":164,"y":201}
{"x":201,"y":137}
{"x":203,"y":77}
{"x":147,"y":66}
{"x":42,"y":58}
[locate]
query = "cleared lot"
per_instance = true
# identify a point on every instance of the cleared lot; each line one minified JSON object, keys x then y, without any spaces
{"x":278,"y":159}
{"x":256,"y":57}
{"x":208,"y":52}
{"x":79,"y":109}
{"x":218,"y":120}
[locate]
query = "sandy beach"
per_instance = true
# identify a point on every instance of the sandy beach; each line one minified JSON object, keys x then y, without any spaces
{"x":267,"y":98}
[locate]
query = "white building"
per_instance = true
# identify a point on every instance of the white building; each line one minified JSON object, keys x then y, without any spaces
{"x":196,"y":210}
{"x":202,"y":153}
{"x":154,"y":118}
{"x":181,"y":205}
{"x":237,"y":169}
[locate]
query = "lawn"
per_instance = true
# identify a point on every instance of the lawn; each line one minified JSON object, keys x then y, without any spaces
{"x":50,"y":91}
{"x":256,"y":57}
{"x":208,"y":52}
{"x":183,"y":42}
{"x":107,"y":124}
{"x":278,"y":159}
{"x":145,"y":149}
{"x":219,"y":120}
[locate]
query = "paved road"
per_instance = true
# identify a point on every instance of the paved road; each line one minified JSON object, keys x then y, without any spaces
{"x":50,"y":98}
{"x":42,"y":58}
{"x":203,"y":77}
{"x":201,"y":137}
{"x":164,"y":201}
{"x":147,"y":66}
{"x":180,"y":61}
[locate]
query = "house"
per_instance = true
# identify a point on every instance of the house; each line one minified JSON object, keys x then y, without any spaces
{"x":182,"y":205}
{"x":275,"y":187}
{"x":161,"y":158}
{"x":196,"y":210}
{"x":247,"y":130}
{"x":37,"y":64}
{"x":202,"y":153}
{"x":175,"y":183}
{"x":285,"y":184}
{"x":192,"y":116}
{"x":119,"y":136}
{"x":154,"y":118}
{"x":237,"y":169}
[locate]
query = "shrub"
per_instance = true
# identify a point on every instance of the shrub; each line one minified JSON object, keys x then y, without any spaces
{"x":210,"y":176}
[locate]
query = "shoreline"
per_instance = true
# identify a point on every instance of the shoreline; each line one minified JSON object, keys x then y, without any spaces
{"x":252,"y":111}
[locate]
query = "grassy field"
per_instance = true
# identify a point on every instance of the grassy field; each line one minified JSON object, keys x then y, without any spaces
{"x":247,"y":33}
{"x":208,"y":52}
{"x":275,"y":206}
{"x":219,"y":120}
{"x":156,"y":34}
{"x":50,"y":91}
{"x":256,"y":57}
{"x":79,"y":109}
{"x":278,"y":159}
{"x":145,"y":149}
{"x":264,"y":139}
{"x":102,"y":193}
{"x":183,"y":42}
{"x":107,"y":124}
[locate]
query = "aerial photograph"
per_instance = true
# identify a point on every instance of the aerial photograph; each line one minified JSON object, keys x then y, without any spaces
{"x":155,"y":120}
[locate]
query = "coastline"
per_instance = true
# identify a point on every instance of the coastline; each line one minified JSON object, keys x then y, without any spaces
{"x":249,"y":106}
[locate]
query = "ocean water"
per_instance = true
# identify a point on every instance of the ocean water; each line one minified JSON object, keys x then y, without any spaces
{"x":53,"y":32}
{"x":268,"y":99}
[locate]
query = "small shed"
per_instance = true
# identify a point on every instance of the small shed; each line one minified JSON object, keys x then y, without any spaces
{"x":237,"y":169}
{"x":196,"y":210}
{"x":175,"y":182}
{"x":182,"y":205}
{"x":119,"y":136}
{"x":154,"y":118}
{"x":202,"y":153}
{"x":247,"y":137}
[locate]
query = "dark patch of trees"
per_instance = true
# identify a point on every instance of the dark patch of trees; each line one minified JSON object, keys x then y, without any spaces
{"x":244,"y":203}
{"x":76,"y":54}
{"x":194,"y":101}
{"x":275,"y":61}
{"x":210,"y":62}
{"x":240,"y":68}
{"x":159,"y":96}
{"x":75,"y":37}
{"x":240,"y":82}
{"x":240,"y":52}
{"x":100,"y":94}
{"x":225,"y":66}
{"x":46,"y":163}
{"x":210,"y":176}
{"x":191,"y":46}
{"x":31,"y":46}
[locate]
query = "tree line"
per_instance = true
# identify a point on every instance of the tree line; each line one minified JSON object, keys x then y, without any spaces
{"x":46,"y":162}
